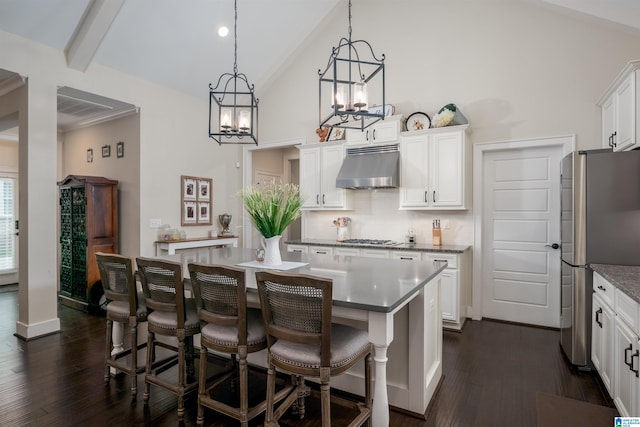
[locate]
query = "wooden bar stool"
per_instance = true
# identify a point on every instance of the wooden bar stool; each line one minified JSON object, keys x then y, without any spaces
{"x":124,"y":306}
{"x":302,"y":342}
{"x":170,"y":315}
{"x":226,"y":326}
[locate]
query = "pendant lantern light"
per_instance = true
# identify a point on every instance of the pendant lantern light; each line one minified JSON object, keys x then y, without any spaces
{"x":347,"y":82}
{"x":233,"y":107}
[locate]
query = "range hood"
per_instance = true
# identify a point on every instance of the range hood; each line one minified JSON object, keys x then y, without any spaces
{"x":370,"y":167}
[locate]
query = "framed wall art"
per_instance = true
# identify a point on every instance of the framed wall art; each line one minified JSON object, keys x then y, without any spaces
{"x":120,"y":149}
{"x":106,"y":151}
{"x":195,"y":200}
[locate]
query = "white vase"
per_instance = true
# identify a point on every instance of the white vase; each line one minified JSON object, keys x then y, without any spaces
{"x":272,"y":250}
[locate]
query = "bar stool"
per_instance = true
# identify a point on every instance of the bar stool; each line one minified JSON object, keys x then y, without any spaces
{"x":170,"y":315}
{"x":124,"y":306}
{"x":226,"y":326}
{"x":302,"y":342}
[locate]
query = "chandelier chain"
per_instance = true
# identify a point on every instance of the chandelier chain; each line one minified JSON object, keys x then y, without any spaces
{"x":235,"y":37}
{"x":349,"y":21}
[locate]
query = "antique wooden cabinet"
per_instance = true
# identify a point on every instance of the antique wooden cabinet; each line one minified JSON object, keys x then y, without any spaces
{"x":88,"y":224}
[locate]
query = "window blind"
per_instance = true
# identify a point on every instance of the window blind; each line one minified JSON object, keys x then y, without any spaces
{"x":7,"y":224}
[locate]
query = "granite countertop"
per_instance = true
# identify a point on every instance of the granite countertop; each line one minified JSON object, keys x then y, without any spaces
{"x":420,"y":247}
{"x":371,"y":284}
{"x":626,"y":278}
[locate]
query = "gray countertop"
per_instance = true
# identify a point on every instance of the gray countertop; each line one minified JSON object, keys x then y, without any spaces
{"x":364,"y":283}
{"x":625,"y":278}
{"x":420,"y":247}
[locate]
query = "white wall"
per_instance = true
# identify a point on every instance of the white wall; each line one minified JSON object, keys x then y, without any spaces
{"x":515,"y":68}
{"x":125,"y":169}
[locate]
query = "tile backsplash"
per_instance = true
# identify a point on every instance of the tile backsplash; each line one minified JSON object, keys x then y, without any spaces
{"x":376,"y":216}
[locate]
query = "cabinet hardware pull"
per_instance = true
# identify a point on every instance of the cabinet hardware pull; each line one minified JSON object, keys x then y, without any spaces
{"x":441,"y":260}
{"x":426,"y":196}
{"x":367,"y":135}
{"x":598,"y":313}
{"x":626,"y":350}
{"x":434,"y":196}
{"x":317,"y":199}
{"x":636,"y":371}
{"x":321,"y":252}
{"x":374,"y":134}
{"x":602,"y":288}
{"x":613,"y":137}
{"x":323,"y":199}
{"x":406,"y":257}
{"x":297,"y":250}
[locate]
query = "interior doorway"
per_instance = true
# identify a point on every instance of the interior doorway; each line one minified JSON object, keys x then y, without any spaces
{"x":517,"y":220}
{"x":279,"y":160}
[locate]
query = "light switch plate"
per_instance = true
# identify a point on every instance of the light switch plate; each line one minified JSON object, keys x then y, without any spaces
{"x":155,"y":223}
{"x":445,"y":224}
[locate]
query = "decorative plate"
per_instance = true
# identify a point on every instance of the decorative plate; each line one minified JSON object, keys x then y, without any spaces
{"x":418,"y":121}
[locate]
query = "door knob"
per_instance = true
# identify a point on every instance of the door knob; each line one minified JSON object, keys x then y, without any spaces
{"x":554,"y":246}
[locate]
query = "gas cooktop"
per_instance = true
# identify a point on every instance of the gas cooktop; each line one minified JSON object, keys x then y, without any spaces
{"x":376,"y":242}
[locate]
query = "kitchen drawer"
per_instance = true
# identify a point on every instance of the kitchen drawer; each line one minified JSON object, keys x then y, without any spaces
{"x":602,"y":287}
{"x":406,"y":255}
{"x":346,"y":251}
{"x":374,"y":253}
{"x":627,"y":309}
{"x":321,"y":250}
{"x":303,"y":249}
{"x":451,"y":259}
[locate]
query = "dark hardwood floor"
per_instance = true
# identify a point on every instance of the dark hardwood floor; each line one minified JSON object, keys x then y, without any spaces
{"x":492,"y":373}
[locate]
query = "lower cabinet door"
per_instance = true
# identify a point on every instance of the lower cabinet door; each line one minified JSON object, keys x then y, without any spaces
{"x":449,"y":295}
{"x":625,"y":383}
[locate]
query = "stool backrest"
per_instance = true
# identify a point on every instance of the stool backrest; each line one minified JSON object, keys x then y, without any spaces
{"x":221,"y":296}
{"x":118,"y":280}
{"x":297,"y":308}
{"x":163,"y":286}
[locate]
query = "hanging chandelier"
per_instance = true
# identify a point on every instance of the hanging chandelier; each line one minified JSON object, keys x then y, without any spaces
{"x":346,"y":83}
{"x":233,"y":107}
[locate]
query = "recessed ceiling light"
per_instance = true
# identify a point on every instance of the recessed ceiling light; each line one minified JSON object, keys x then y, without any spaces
{"x":223,"y":31}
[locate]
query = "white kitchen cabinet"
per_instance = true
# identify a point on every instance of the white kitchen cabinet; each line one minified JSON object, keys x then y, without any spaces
{"x":301,"y":249}
{"x":602,"y":327}
{"x":621,"y":320}
{"x":319,"y":167}
{"x":387,"y":130}
{"x":625,"y":382}
{"x":452,"y":288}
{"x":321,"y":250}
{"x":433,"y":169}
{"x":346,"y":251}
{"x":374,"y":253}
{"x":620,"y":110}
{"x":410,"y":256}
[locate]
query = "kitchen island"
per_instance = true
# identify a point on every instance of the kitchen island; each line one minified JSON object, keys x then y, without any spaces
{"x":398,"y":303}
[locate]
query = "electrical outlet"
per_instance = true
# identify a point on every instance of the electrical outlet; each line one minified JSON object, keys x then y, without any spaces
{"x":155,"y":223}
{"x":445,"y":224}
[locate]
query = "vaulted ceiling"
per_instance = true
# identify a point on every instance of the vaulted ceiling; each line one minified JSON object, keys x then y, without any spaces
{"x":175,"y":43}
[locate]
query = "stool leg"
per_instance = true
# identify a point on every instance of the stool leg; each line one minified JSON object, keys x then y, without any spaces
{"x":134,"y":358}
{"x":181,"y":375}
{"x":244,"y":386}
{"x":202,"y":387}
{"x":107,"y":373}
{"x":325,"y":397}
{"x":368,"y":362}
{"x":150,"y":358}
{"x":271,"y":386}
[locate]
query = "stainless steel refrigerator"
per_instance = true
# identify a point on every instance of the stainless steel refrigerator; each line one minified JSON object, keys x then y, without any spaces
{"x":600,"y":224}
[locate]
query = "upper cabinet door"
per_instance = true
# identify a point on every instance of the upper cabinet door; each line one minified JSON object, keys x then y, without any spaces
{"x":332,"y":158}
{"x":414,"y":171}
{"x":608,"y":119}
{"x":447,"y":162}
{"x":626,"y":114}
{"x":310,"y":176}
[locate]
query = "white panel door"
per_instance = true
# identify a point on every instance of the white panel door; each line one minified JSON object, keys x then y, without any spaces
{"x":521,"y":220}
{"x":8,"y":231}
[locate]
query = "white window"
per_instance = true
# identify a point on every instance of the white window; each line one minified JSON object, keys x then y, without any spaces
{"x":7,"y":224}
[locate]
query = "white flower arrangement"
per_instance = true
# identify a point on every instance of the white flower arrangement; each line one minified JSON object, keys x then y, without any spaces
{"x":443,"y":118}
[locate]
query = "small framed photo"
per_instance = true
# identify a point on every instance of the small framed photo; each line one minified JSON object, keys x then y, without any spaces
{"x":90,"y":155}
{"x":120,"y":149}
{"x":203,"y":213}
{"x":204,"y":190}
{"x":188,"y":188}
{"x":106,"y":151}
{"x":189,"y":213}
{"x":336,"y":134}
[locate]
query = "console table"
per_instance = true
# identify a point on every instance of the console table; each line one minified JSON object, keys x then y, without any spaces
{"x":169,"y":247}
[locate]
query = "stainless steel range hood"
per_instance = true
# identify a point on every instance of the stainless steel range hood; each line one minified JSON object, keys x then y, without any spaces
{"x":370,"y":167}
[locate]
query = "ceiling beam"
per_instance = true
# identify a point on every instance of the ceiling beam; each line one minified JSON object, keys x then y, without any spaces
{"x":91,"y":29}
